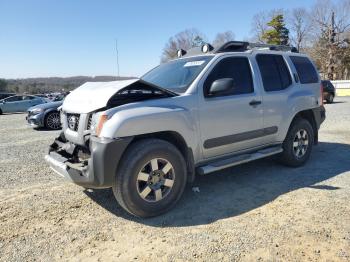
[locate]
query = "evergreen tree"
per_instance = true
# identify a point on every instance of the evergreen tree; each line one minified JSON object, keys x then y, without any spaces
{"x":278,"y":34}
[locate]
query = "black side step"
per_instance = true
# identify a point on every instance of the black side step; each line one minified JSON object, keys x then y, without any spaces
{"x":237,"y":160}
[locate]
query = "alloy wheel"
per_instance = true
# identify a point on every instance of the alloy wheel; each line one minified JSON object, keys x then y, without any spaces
{"x":300,"y":143}
{"x":53,"y":121}
{"x":155,"y":180}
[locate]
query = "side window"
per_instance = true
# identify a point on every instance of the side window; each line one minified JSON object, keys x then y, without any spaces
{"x":29,"y":98}
{"x":13,"y":99}
{"x":238,"y":69}
{"x":274,"y":72}
{"x":306,"y":71}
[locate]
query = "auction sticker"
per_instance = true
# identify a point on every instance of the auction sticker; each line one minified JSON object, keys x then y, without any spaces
{"x":194,"y":63}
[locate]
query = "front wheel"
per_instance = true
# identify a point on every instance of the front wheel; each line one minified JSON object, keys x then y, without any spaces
{"x":53,"y":121}
{"x":298,"y":144}
{"x":151,"y":178}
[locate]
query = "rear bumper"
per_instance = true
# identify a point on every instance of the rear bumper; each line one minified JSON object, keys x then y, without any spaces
{"x":92,"y":167}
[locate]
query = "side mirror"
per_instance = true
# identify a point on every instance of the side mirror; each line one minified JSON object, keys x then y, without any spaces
{"x":221,"y":86}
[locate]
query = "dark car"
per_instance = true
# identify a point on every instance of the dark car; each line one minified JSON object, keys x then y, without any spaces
{"x":45,"y":115}
{"x":328,"y":91}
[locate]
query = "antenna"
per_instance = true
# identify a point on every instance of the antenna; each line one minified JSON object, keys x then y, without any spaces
{"x":116,"y":48}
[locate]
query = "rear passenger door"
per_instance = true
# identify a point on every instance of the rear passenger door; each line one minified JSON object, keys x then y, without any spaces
{"x":277,"y":84}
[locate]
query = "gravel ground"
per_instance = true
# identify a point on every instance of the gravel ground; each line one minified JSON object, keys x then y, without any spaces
{"x":258,"y":211}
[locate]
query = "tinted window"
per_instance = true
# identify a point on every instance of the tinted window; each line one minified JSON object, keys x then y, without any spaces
{"x":306,"y":71}
{"x":13,"y":99}
{"x":274,"y":72}
{"x":238,"y":69}
{"x":29,"y":97}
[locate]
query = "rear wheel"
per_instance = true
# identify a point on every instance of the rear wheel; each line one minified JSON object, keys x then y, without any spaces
{"x":53,"y":121}
{"x":330,"y":99}
{"x":0,"y":112}
{"x":298,"y":144}
{"x":151,"y":178}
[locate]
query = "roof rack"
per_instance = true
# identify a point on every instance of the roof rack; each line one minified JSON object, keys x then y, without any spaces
{"x":235,"y":46}
{"x":240,"y":46}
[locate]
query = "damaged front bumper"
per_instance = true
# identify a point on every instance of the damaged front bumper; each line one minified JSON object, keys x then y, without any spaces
{"x":91,"y":167}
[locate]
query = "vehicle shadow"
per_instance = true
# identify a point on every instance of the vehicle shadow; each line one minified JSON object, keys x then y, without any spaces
{"x":45,"y":129}
{"x":241,"y":189}
{"x":337,"y":102}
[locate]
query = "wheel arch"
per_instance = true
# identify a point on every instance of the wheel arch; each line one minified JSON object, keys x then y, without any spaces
{"x":179,"y":142}
{"x":310,"y":117}
{"x":47,"y":112}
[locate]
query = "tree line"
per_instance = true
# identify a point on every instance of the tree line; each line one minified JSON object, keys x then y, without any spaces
{"x":322,"y":32}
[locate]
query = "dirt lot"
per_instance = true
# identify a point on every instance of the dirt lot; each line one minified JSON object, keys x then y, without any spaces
{"x":258,"y":211}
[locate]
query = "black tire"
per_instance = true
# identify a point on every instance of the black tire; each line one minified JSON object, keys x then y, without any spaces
{"x":0,"y":112}
{"x":330,"y":99}
{"x":126,"y":188}
{"x":289,"y":155}
{"x":48,"y":120}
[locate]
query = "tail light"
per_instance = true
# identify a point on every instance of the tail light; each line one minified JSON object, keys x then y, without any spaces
{"x":101,"y":122}
{"x":321,"y":95}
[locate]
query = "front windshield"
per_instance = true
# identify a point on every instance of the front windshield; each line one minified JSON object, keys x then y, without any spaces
{"x":177,"y":75}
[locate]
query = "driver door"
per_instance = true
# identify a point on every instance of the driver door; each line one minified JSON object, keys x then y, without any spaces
{"x":232,"y":121}
{"x":12,"y":104}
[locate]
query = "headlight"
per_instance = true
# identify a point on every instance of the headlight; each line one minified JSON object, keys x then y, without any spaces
{"x":102,"y":120}
{"x":37,"y":111}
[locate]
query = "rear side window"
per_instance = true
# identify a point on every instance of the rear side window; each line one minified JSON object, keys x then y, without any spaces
{"x":237,"y":68}
{"x":274,"y":72}
{"x":306,"y":71}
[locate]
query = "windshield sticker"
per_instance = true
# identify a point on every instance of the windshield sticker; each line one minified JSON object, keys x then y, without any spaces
{"x":194,"y":63}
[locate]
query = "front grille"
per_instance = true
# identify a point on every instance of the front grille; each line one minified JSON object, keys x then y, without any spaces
{"x":73,"y":121}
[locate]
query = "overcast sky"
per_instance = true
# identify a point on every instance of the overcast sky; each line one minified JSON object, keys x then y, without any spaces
{"x":66,"y":38}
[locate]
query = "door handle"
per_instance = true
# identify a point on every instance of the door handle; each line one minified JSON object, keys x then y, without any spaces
{"x":254,"y":103}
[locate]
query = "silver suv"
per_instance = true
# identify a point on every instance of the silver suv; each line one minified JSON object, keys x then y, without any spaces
{"x":210,"y":109}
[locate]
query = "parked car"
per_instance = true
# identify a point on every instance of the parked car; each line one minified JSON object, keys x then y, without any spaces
{"x":4,"y":95}
{"x":19,"y":103}
{"x":205,"y":111}
{"x":45,"y":115}
{"x":328,"y":91}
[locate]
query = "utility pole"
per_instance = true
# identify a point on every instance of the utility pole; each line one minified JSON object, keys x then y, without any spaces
{"x":116,"y":48}
{"x":331,"y":49}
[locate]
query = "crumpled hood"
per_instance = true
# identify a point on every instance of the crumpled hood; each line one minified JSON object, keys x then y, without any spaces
{"x":93,"y":95}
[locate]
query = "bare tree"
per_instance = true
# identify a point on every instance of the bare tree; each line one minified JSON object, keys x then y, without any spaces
{"x":259,"y":26}
{"x":183,"y":40}
{"x":300,"y":25}
{"x":222,"y":38}
{"x":330,"y":23}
